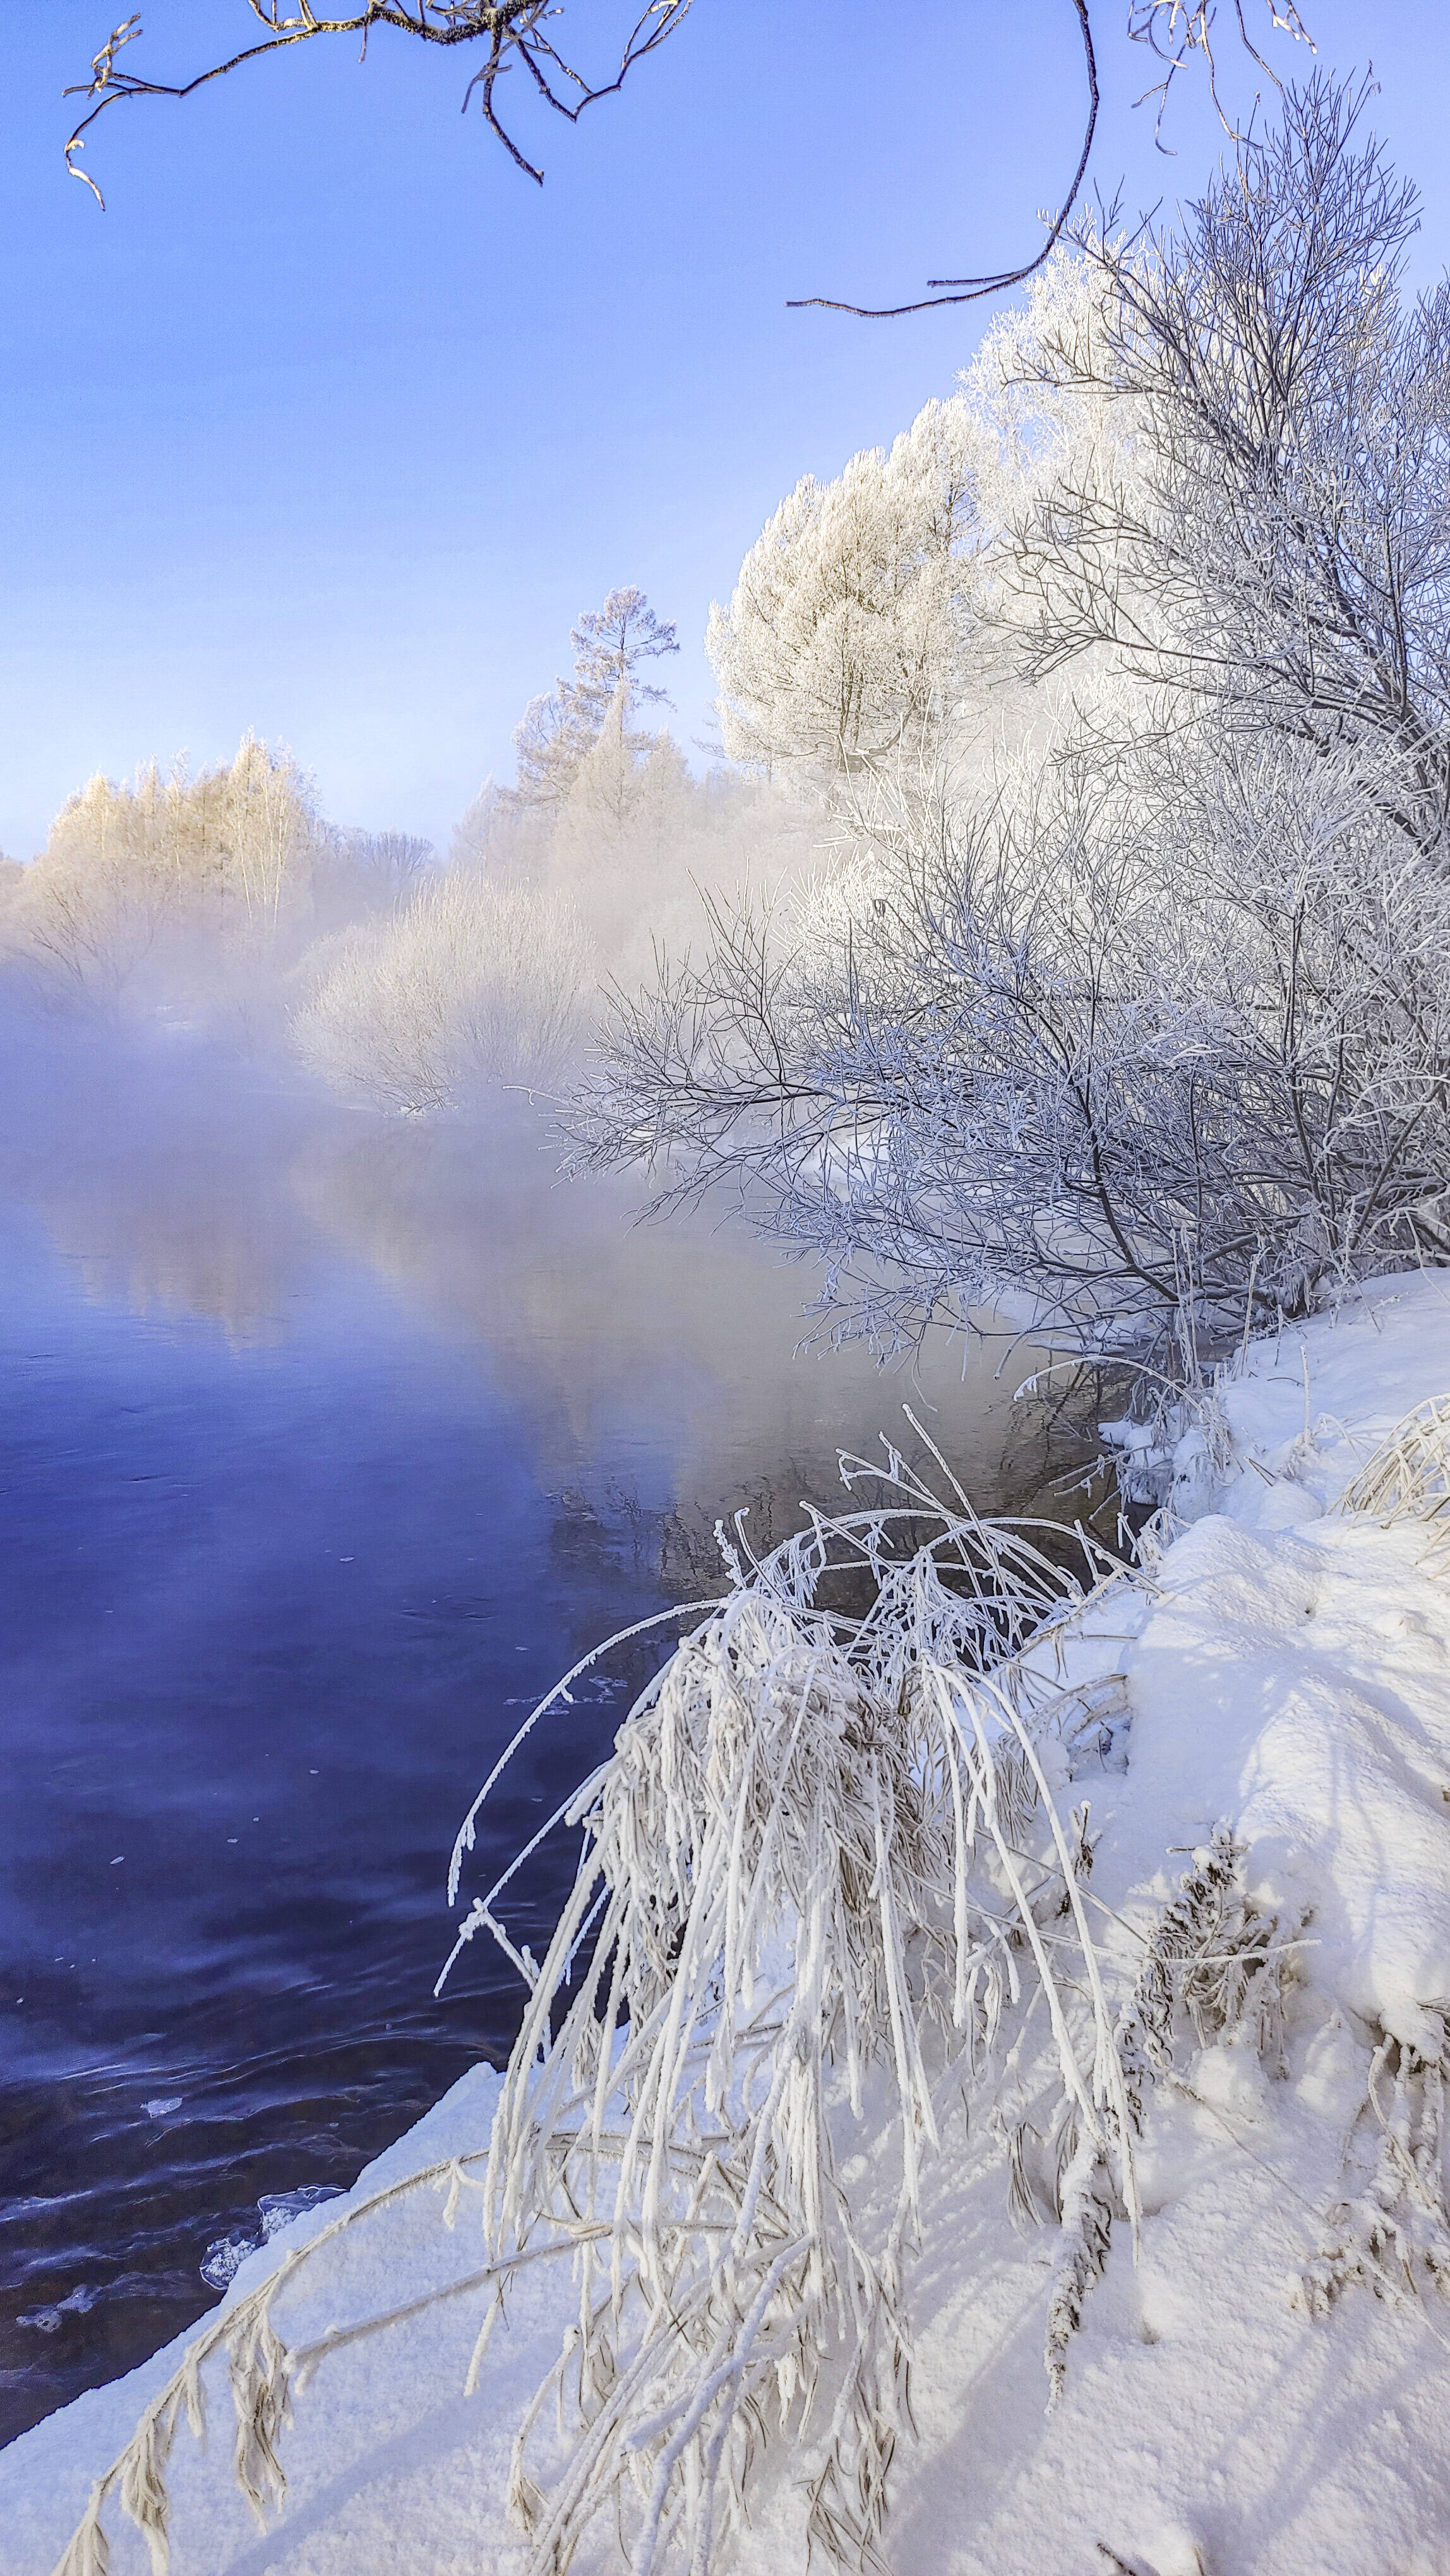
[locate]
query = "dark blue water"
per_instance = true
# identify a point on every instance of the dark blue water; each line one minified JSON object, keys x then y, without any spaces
{"x":325,"y":1446}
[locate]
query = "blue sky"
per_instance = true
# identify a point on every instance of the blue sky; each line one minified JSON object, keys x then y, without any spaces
{"x":333,"y":422}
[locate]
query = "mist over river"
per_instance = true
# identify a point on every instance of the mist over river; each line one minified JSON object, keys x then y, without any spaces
{"x":328,"y":1443}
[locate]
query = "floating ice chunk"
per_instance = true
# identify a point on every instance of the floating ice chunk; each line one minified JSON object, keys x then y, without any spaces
{"x":224,"y":2256}
{"x":275,"y":2208}
{"x":48,"y":2320}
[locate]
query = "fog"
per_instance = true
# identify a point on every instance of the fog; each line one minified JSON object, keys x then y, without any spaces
{"x":224,"y":905}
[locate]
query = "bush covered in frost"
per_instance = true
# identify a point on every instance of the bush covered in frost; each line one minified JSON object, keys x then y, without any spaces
{"x":472,"y":983}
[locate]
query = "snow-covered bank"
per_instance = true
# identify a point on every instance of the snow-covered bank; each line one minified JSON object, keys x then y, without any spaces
{"x":1238,"y":2401}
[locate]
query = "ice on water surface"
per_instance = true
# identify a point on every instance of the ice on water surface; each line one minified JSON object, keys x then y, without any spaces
{"x":226,"y":2254}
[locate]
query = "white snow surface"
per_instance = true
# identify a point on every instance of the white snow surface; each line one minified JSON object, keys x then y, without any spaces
{"x":1289,"y":1675}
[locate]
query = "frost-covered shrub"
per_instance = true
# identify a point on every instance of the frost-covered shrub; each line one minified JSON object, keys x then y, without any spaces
{"x":830,"y":1875}
{"x":1128,"y":1057}
{"x":823,"y":1871}
{"x":472,"y":983}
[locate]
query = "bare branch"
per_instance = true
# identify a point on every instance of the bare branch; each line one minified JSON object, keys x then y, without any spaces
{"x":968,"y":290}
{"x":510,"y":29}
{"x":1174,"y":29}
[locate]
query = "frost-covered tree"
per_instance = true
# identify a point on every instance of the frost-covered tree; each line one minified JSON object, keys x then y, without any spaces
{"x":611,"y":644}
{"x":630,"y":788}
{"x":502,"y":838}
{"x":357,"y":873}
{"x":1145,"y":1018}
{"x":635,"y":830}
{"x":1129,"y":1059}
{"x":846,"y":633}
{"x":881,"y":621}
{"x":551,"y":740}
{"x":216,"y":864}
{"x":613,"y":819}
{"x":1282,"y":548}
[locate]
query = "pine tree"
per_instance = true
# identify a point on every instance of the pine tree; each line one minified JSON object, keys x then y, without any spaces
{"x":559,"y":730}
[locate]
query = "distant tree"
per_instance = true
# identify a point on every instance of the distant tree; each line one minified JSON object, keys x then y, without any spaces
{"x":551,"y":741}
{"x":501,"y":836}
{"x":558,"y":731}
{"x":362,"y":872}
{"x":476,"y":830}
{"x":609,"y":645}
{"x":225,"y":856}
{"x":468,"y":985}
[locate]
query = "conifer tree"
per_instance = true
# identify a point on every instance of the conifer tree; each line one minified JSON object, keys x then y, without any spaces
{"x":559,"y":730}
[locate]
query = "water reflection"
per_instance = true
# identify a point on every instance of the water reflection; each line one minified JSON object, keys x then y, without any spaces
{"x":673,"y":1349}
{"x":327,"y":1445}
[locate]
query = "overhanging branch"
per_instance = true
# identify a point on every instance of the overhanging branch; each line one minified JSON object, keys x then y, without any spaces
{"x":510,"y":29}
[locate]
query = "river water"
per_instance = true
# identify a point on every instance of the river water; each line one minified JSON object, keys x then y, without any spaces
{"x":327,"y":1444}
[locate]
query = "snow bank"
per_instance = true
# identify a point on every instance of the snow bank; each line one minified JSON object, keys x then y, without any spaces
{"x":1287,"y":1673}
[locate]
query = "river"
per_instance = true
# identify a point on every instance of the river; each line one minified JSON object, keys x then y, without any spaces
{"x":328,"y":1442}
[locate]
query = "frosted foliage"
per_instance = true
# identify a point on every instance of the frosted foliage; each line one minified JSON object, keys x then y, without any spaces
{"x":500,"y":837}
{"x":852,"y":608}
{"x":472,"y":983}
{"x":1281,"y":548}
{"x":800,"y":1860}
{"x":852,"y":1988}
{"x":830,"y":1881}
{"x":629,"y":788}
{"x":1044,"y":416}
{"x":611,"y":646}
{"x":222,"y":858}
{"x":879,"y":616}
{"x":1051,"y":1057}
{"x":642,"y":848}
{"x":1123,"y":992}
{"x":551,"y":738}
{"x":635,"y":831}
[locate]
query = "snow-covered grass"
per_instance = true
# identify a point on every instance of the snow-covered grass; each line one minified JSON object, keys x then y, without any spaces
{"x":1189,"y":2141}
